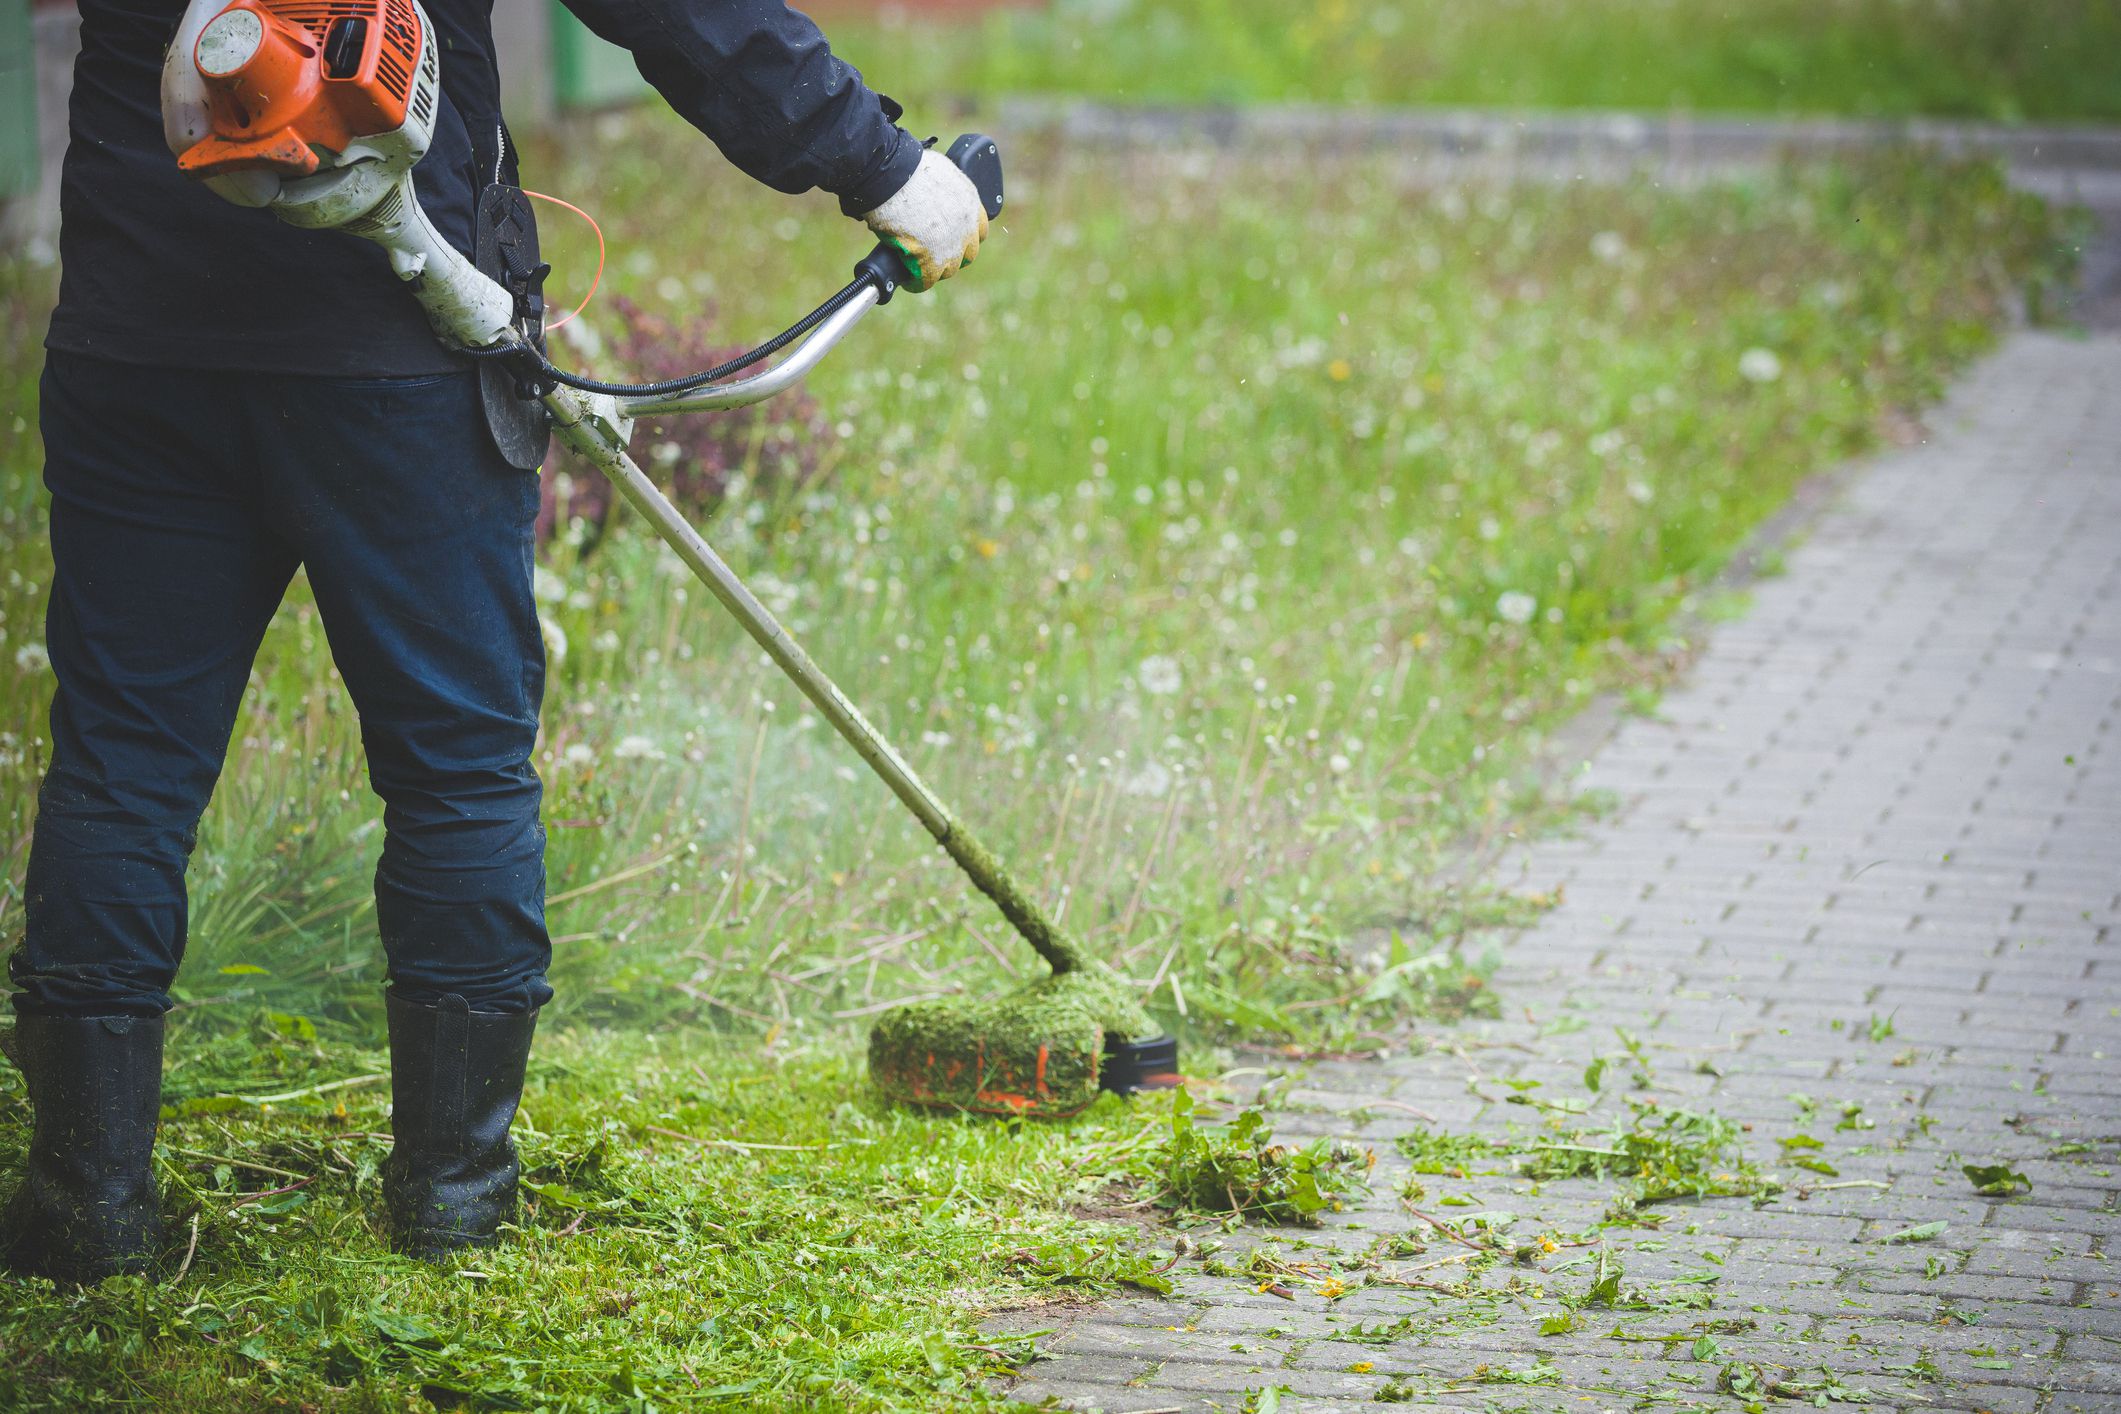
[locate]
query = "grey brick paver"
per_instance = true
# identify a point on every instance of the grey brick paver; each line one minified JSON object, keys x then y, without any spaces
{"x":1892,"y":790}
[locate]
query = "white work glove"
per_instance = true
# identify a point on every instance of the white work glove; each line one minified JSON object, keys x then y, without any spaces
{"x":936,"y":221}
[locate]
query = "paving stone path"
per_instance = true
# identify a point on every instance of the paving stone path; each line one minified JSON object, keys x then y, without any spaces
{"x":1862,"y":882}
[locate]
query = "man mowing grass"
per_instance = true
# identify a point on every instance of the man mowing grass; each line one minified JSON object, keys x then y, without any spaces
{"x":226,"y":400}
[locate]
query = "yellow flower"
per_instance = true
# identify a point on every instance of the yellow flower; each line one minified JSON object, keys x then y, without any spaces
{"x":988,"y":549}
{"x":1340,"y":370}
{"x":1361,"y":1367}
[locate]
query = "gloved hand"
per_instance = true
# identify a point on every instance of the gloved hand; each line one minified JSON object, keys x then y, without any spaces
{"x":935,"y":220}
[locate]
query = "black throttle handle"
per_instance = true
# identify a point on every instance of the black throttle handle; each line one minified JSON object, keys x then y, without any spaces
{"x":979,"y":158}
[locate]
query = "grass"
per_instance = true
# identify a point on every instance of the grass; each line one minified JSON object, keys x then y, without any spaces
{"x":1665,"y":1152}
{"x":702,"y":1227}
{"x":1225,"y":542}
{"x":1996,"y":59}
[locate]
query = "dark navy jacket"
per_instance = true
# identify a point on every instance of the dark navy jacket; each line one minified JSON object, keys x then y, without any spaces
{"x":156,"y":269}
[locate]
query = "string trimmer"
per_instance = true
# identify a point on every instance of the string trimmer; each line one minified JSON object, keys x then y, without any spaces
{"x":319,"y":110}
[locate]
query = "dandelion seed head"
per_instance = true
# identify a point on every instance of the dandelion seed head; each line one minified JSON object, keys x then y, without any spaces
{"x":555,"y":640}
{"x":1159,"y":675}
{"x":1152,"y":780}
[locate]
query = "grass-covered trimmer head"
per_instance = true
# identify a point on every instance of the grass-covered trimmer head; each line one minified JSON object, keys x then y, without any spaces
{"x":1042,"y":1051}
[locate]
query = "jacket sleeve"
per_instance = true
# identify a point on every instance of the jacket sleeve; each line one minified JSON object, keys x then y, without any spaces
{"x":759,"y":79}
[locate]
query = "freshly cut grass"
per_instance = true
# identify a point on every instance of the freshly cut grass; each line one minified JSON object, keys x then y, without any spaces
{"x":1996,"y":59}
{"x":702,"y":1228}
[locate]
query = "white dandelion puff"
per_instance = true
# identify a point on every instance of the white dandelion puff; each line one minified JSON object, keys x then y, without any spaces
{"x":1759,"y":366}
{"x":1152,"y":780}
{"x":1159,"y":675}
{"x":637,"y":748}
{"x":1516,"y":606}
{"x":555,"y":640}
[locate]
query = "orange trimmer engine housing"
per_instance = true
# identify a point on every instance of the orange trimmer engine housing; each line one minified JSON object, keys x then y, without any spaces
{"x":292,"y":84}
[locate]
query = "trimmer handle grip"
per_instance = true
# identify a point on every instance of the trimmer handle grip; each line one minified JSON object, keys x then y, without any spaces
{"x":978,"y":157}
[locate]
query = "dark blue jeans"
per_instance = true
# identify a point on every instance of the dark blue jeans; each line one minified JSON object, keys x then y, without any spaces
{"x":182,"y":503}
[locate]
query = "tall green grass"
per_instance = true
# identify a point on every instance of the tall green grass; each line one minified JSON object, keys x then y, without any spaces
{"x":1996,"y":59}
{"x":1221,"y":543}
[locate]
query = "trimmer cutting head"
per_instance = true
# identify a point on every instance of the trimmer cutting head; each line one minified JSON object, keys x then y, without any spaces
{"x":1043,"y":1052}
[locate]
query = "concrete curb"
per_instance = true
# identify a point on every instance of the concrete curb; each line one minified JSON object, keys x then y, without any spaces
{"x":1466,"y":132}
{"x":2080,"y":162}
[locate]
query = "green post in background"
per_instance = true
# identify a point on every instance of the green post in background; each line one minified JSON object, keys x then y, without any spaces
{"x":586,"y":72}
{"x":18,"y":101}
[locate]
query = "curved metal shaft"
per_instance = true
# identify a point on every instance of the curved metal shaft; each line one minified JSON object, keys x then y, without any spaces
{"x":777,"y":379}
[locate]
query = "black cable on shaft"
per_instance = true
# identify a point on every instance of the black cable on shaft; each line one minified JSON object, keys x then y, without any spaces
{"x":545,"y":368}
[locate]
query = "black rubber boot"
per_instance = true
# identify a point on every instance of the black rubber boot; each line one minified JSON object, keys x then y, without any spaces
{"x":87,"y":1205}
{"x":456,"y":1078}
